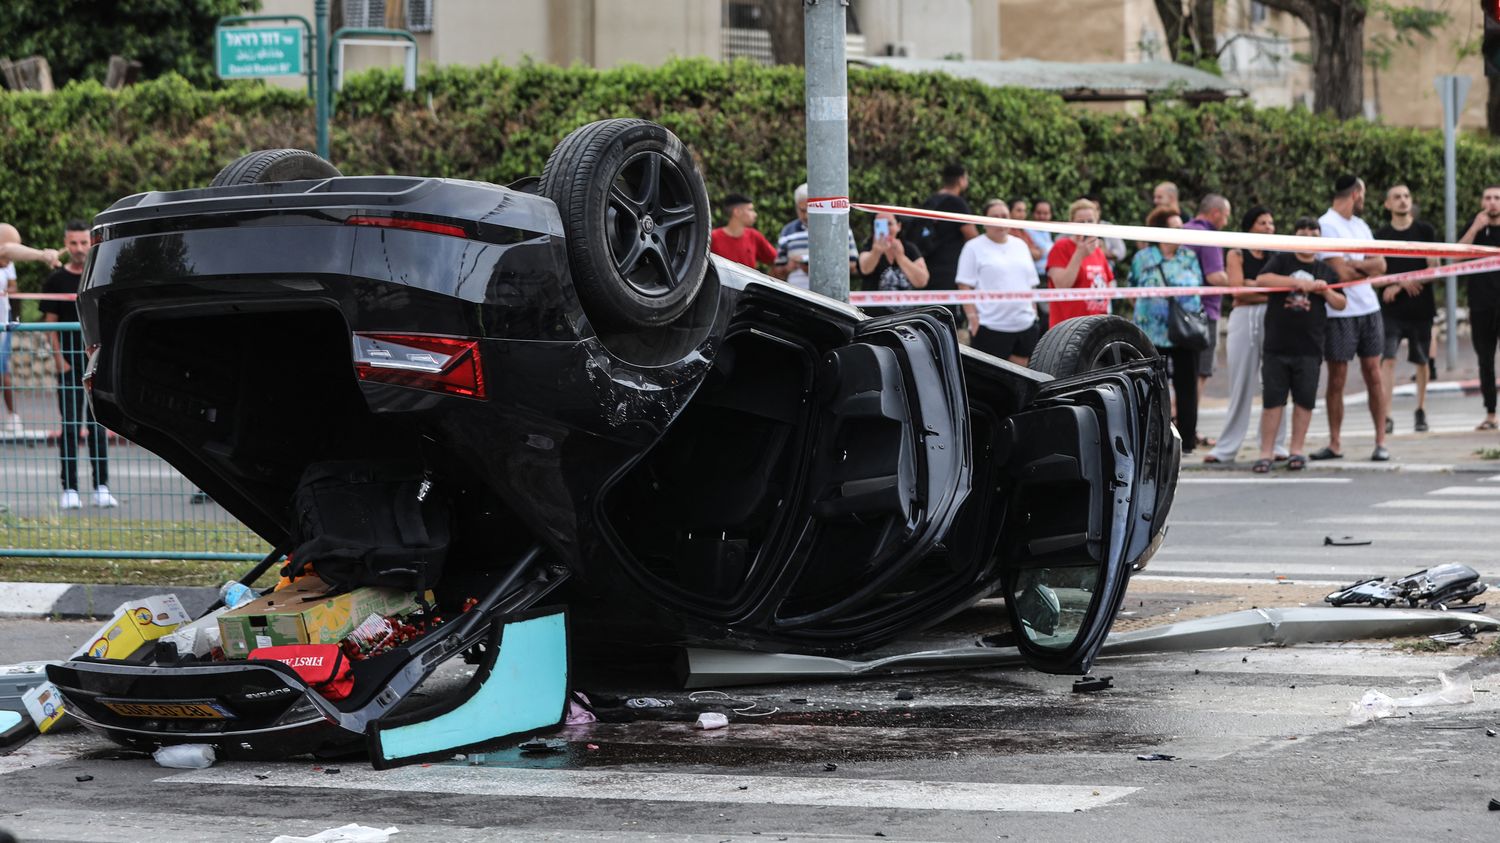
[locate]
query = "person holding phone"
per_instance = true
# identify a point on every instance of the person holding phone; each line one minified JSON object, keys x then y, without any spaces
{"x":1079,"y":261}
{"x":889,"y":264}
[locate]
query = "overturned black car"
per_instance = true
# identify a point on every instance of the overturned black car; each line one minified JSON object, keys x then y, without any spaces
{"x":677,"y":449}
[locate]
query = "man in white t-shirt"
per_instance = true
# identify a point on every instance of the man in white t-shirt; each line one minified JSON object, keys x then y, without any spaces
{"x":11,"y":250}
{"x":1000,"y":262}
{"x":1358,"y":330}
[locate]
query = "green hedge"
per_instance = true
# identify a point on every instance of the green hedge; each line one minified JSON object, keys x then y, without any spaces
{"x":73,"y":152}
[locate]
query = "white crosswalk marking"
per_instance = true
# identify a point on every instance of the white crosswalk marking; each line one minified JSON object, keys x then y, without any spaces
{"x":1423,"y":503}
{"x":1222,"y":481}
{"x":1421,"y":519}
{"x":1468,"y":491}
{"x":677,"y":787}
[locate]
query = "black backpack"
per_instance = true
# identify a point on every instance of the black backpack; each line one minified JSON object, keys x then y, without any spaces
{"x":364,"y":522}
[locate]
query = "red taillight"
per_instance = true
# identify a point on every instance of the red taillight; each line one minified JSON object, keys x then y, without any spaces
{"x":437,"y":364}
{"x":410,"y":225}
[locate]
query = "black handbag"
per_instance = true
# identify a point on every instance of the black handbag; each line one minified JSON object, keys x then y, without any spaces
{"x":1187,"y":329}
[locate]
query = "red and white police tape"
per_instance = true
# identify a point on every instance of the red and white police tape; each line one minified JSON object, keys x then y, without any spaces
{"x":920,"y":297}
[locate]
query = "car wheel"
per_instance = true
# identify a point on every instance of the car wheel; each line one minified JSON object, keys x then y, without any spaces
{"x":636,"y":215}
{"x":268,"y":165}
{"x":1089,"y":343}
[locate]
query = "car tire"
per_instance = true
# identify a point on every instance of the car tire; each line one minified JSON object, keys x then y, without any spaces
{"x":271,"y":165}
{"x":635,"y":212}
{"x":1089,"y":343}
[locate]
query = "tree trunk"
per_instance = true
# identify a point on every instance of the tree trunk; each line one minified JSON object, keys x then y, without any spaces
{"x":1173,"y":24}
{"x":1492,"y":106}
{"x":1203,"y":29}
{"x":1337,"y":29}
{"x":784,"y":22}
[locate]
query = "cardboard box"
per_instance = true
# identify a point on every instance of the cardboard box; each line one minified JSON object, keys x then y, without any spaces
{"x":46,"y":706}
{"x":302,"y":613}
{"x":133,"y":624}
{"x":17,"y":679}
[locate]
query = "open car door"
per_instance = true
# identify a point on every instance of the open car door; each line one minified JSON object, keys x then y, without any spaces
{"x":1091,"y":476}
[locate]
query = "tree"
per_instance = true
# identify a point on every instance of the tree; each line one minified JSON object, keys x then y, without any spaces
{"x":785,"y":25}
{"x":77,"y":37}
{"x":1189,"y":27}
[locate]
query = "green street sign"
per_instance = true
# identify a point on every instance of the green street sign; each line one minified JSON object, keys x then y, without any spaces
{"x":252,"y":52}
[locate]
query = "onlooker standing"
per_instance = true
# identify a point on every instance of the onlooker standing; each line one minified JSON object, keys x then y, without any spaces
{"x":1113,"y":246}
{"x":1079,"y":261}
{"x":11,"y":250}
{"x":1407,"y":309}
{"x":791,"y":246}
{"x":1295,"y":327}
{"x":1018,"y":211}
{"x":1484,"y":300}
{"x":1164,"y":195}
{"x":1167,"y":265}
{"x":1000,"y":262}
{"x":1247,"y":324}
{"x":1213,"y":215}
{"x":737,"y":239}
{"x":68,"y":354}
{"x":1042,"y":212}
{"x":890,"y":264}
{"x":1356,"y":329}
{"x":941,"y":242}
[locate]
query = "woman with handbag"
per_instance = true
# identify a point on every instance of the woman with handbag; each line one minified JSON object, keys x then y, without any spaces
{"x":1176,"y":325}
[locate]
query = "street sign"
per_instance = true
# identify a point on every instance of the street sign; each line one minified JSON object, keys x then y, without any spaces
{"x":254,"y":52}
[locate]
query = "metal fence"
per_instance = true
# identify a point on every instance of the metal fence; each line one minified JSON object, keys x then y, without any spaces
{"x":145,"y":510}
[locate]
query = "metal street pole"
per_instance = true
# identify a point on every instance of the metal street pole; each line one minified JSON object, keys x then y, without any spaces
{"x":320,"y":62}
{"x":1452,"y":90}
{"x":827,"y":147}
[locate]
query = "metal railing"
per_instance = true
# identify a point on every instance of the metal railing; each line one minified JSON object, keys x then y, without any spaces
{"x":147,"y":509}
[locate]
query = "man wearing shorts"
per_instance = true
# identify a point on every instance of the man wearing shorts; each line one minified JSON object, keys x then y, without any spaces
{"x":1294,"y":341}
{"x":1357,"y":330}
{"x":1407,"y":309}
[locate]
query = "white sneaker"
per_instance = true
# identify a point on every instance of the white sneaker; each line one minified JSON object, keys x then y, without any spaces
{"x":103,"y":499}
{"x":13,"y":426}
{"x":70,"y":500}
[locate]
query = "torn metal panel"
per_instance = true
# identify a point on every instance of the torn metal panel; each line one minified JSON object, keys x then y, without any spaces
{"x":706,"y":668}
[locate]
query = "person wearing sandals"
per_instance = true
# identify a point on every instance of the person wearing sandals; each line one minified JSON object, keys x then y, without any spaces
{"x":1166,"y":265}
{"x":1296,"y":326}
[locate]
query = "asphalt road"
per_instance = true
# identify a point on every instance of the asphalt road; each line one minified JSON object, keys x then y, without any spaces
{"x":1262,"y":749}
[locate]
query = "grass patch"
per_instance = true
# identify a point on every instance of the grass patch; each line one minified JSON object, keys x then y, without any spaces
{"x":1488,"y":453}
{"x":104,"y":535}
{"x":1422,"y":645}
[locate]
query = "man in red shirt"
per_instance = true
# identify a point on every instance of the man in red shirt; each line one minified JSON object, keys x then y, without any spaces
{"x":1079,"y":262}
{"x":738,"y":240}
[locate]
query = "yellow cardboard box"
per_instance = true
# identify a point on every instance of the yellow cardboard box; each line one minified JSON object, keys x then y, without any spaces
{"x":46,"y":706}
{"x":133,"y":624}
{"x":304,"y":613}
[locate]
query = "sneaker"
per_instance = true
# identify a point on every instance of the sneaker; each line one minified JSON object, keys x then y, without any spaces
{"x":13,"y":426}
{"x":70,"y":500}
{"x":199,"y":497}
{"x":1380,"y":454}
{"x":1421,"y":425}
{"x":1390,"y":425}
{"x":103,"y":499}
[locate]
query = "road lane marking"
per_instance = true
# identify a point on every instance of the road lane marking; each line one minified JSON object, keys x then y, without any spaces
{"x":1468,"y":491}
{"x":1220,"y":481}
{"x":675,"y":787}
{"x":1417,"y":519}
{"x":1175,"y":523}
{"x":1424,"y":503}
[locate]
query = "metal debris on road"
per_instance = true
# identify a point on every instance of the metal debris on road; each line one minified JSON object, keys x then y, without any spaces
{"x":1088,"y":684}
{"x":1156,"y":756}
{"x":1345,"y":541}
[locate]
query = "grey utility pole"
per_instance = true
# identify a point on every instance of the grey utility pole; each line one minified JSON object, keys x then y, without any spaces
{"x":827,"y":148}
{"x":320,"y":65}
{"x":1452,"y":90}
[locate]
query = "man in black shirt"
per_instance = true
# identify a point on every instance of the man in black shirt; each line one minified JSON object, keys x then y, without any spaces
{"x":70,"y":359}
{"x":1296,"y":322}
{"x":1484,"y":301}
{"x":941,"y":242}
{"x":1407,"y":309}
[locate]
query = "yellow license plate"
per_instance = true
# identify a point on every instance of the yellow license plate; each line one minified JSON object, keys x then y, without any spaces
{"x":182,"y":710}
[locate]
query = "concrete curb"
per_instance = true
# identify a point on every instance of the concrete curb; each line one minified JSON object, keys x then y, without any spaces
{"x":63,"y":600}
{"x":1348,"y":465}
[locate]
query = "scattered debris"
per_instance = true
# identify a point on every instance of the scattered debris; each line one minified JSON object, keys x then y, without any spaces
{"x":1156,"y":756}
{"x":649,"y":702}
{"x":903,"y":695}
{"x":1374,"y":705}
{"x":591,"y":747}
{"x":580,"y":710}
{"x":83,"y":778}
{"x":1088,"y":684}
{"x":1345,"y":541}
{"x":1462,"y":636}
{"x":185,"y":756}
{"x":711,"y":720}
{"x":543,"y":746}
{"x":830,"y":767}
{"x":1489,"y":733}
{"x":351,"y":833}
{"x":331,"y":771}
{"x":1495,"y":804}
{"x":1437,"y":587}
